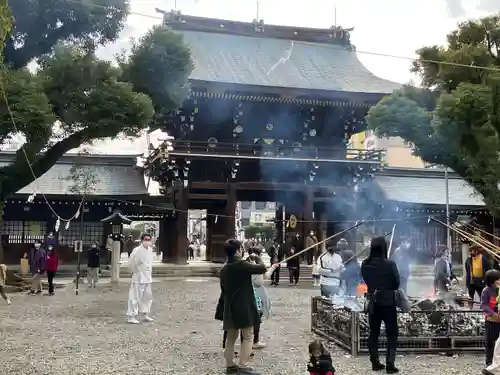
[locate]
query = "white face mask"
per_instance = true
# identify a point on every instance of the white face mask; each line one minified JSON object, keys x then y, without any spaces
{"x":94,"y":246}
{"x":146,"y":243}
{"x":37,"y":246}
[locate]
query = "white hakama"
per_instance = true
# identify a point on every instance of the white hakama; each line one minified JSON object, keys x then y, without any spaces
{"x":140,"y":296}
{"x":494,"y":368}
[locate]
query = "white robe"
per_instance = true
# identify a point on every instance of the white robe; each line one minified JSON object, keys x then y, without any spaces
{"x":494,"y":368}
{"x":140,"y":296}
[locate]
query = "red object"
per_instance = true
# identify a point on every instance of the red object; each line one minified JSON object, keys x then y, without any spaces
{"x":52,"y":262}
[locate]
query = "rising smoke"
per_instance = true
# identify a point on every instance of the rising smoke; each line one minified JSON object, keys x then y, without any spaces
{"x":456,"y":9}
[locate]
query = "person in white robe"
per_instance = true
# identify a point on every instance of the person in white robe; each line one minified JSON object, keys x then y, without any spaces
{"x":494,"y":368}
{"x":140,"y":296}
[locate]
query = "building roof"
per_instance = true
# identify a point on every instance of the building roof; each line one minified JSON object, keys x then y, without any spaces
{"x":426,"y":187}
{"x":115,"y":175}
{"x":249,"y":54}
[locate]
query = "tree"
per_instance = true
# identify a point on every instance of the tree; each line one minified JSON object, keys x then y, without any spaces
{"x":5,"y":20}
{"x":75,"y":98}
{"x":454,"y":119}
{"x":40,"y":25}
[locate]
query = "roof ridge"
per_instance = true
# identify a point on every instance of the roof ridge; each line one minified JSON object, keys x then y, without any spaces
{"x":334,"y":35}
{"x":92,"y":159}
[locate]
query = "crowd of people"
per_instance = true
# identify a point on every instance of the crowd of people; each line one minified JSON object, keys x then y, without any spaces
{"x":244,"y":304}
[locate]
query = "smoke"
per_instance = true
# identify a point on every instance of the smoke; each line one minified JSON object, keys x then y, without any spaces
{"x":456,"y":9}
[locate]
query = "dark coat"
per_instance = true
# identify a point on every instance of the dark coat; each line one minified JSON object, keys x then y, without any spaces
{"x":381,"y":276}
{"x":294,"y":262}
{"x":237,"y":307}
{"x":321,"y":365}
{"x":36,"y":258}
{"x":93,"y":258}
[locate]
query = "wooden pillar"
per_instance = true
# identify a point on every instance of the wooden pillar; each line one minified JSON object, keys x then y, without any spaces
{"x":179,"y":240}
{"x":223,"y":225}
{"x":280,"y":224}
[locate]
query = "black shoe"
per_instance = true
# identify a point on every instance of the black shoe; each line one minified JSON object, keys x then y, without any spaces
{"x":391,"y":369}
{"x":232,"y":369}
{"x":486,"y":372}
{"x":38,"y":292}
{"x":247,"y":371}
{"x":377,"y":366}
{"x":31,"y":292}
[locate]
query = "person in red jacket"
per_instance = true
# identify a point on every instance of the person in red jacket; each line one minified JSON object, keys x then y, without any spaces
{"x":51,"y":264}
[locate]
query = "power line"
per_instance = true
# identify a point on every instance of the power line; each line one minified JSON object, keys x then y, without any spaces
{"x":324,"y":45}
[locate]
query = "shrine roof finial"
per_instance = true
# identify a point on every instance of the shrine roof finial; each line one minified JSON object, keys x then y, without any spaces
{"x":333,"y":35}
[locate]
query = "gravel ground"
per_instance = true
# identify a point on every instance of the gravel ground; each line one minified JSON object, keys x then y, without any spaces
{"x":88,"y":334}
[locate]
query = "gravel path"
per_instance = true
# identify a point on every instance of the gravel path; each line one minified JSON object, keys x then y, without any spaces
{"x":88,"y":334}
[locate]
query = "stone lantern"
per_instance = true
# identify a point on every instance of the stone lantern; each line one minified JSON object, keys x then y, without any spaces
{"x":116,"y":220}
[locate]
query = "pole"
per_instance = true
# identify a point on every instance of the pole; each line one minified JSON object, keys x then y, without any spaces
{"x":391,"y":240}
{"x":447,"y":187}
{"x":78,"y":256}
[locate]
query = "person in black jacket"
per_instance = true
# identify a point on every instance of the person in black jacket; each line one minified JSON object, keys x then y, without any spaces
{"x":382,"y":280}
{"x":93,"y":265}
{"x":276,"y":255}
{"x":320,"y":361}
{"x":293,"y":266}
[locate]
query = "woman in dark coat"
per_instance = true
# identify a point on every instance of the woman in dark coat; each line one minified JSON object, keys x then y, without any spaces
{"x":238,"y":305}
{"x":382,"y":280}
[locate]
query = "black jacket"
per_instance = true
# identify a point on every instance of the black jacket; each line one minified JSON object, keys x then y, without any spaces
{"x":382,"y":280}
{"x":322,"y":365}
{"x":276,"y":250}
{"x":294,"y":262}
{"x":237,"y":306}
{"x":93,"y":258}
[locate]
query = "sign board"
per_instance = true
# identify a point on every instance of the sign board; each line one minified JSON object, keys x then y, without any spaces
{"x":78,"y":246}
{"x":262,"y":217}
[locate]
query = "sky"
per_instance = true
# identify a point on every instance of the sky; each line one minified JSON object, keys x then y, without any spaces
{"x":389,"y":27}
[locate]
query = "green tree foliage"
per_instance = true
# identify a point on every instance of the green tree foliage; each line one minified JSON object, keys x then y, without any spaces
{"x":454,"y":119}
{"x":74,"y":98}
{"x":5,"y":20}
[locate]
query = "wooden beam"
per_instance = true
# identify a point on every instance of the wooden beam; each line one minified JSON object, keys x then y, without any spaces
{"x":208,"y":185}
{"x":220,"y":197}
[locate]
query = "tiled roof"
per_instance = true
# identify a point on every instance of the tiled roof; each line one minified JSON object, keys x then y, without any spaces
{"x":114,"y":176}
{"x":428,"y":188}
{"x":248,"y":60}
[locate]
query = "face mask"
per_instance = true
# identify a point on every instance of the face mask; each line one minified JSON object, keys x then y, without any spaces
{"x":37,"y":246}
{"x":51,"y":248}
{"x":146,"y":243}
{"x":94,"y":246}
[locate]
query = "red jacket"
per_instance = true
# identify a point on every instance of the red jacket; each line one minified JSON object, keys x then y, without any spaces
{"x":52,"y":262}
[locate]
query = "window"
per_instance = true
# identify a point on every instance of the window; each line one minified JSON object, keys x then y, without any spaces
{"x":24,"y":232}
{"x":260,"y":205}
{"x":92,"y":231}
{"x":246,"y":205}
{"x":245,"y":222}
{"x":14,"y":229}
{"x":270,"y":206}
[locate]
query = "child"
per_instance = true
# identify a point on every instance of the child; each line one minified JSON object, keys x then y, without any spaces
{"x":293,"y":266}
{"x":52,"y":264}
{"x":320,"y":361}
{"x":3,"y":279}
{"x":315,"y":274}
{"x":489,"y":305}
